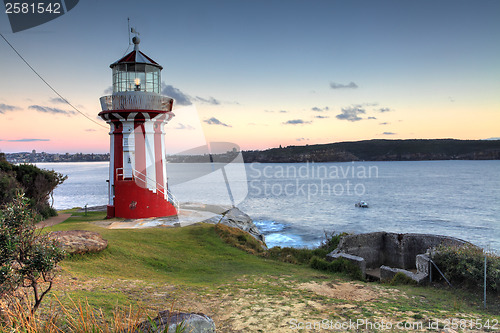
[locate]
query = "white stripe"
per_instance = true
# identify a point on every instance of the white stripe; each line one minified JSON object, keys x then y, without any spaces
{"x":128,"y":149}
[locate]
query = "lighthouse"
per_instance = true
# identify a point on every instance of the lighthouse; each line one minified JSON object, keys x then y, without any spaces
{"x":137,"y":113}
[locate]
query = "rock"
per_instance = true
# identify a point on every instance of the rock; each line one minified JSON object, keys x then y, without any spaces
{"x":192,"y":322}
{"x":79,"y":241}
{"x":237,"y":219}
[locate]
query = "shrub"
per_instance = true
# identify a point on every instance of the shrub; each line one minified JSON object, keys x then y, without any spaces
{"x":37,"y":184}
{"x":239,"y":238}
{"x":402,"y":279}
{"x":465,"y":266}
{"x":340,"y":265}
{"x":27,"y":257}
{"x":304,"y":255}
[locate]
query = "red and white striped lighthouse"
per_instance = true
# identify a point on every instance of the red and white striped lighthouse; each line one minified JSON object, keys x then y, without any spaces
{"x":137,"y":114}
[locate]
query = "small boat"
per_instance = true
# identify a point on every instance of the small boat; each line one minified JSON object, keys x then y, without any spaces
{"x":361,"y":204}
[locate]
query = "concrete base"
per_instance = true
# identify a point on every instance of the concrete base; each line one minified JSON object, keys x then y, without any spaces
{"x":392,"y":252}
{"x":387,"y":273}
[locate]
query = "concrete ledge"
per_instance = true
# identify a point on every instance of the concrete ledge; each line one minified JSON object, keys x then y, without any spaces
{"x":387,"y":273}
{"x":358,"y":261}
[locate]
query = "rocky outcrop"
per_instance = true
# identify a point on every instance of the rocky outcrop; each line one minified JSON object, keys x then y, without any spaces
{"x":79,"y":241}
{"x":191,"y":322}
{"x":235,"y":218}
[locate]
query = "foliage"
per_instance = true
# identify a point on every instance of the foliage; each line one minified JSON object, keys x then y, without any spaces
{"x":340,"y":265}
{"x":304,"y":255}
{"x":36,"y":183}
{"x":9,"y":186}
{"x":239,"y":238}
{"x":380,"y":149}
{"x":27,"y":257}
{"x":465,"y":266}
{"x":402,"y":279}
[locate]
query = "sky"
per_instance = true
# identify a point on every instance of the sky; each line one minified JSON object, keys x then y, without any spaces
{"x":261,"y":73}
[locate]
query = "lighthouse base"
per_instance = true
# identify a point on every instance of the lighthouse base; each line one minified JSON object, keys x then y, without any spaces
{"x":135,"y":202}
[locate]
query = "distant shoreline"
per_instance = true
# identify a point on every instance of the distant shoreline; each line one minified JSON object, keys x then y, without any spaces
{"x":367,"y":150}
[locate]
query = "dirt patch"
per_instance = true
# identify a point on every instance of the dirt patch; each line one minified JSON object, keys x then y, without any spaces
{"x":348,"y":291}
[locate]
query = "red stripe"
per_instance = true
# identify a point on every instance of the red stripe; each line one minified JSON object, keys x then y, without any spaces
{"x":158,"y":151}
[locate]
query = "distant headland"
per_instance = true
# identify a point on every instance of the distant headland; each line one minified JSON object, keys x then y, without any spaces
{"x":366,"y":150}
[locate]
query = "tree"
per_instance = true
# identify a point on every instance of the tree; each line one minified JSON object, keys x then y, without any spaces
{"x":27,"y":256}
{"x":38,"y":185}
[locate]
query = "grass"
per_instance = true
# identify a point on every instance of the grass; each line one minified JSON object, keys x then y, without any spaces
{"x":197,"y":271}
{"x":192,"y":255}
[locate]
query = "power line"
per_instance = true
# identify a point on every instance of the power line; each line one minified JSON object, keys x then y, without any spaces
{"x":48,"y":85}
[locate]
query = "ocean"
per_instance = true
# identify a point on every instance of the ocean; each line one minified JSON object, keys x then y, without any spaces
{"x":296,"y":204}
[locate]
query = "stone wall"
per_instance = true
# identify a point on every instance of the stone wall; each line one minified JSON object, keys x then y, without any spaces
{"x":391,"y":249}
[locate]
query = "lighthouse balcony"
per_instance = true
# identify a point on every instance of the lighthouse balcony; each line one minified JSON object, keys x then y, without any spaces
{"x":132,"y":100}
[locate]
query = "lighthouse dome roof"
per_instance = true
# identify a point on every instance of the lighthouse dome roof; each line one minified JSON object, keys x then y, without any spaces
{"x":136,"y":56}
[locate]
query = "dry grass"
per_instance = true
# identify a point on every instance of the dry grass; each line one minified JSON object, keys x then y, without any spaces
{"x":79,"y":317}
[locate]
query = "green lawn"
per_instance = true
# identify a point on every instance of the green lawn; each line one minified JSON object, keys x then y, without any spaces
{"x":193,"y":268}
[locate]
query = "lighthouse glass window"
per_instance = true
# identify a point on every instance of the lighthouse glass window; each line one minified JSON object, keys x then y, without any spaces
{"x":136,"y":77}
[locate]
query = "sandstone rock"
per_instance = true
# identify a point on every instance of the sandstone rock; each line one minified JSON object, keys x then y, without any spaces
{"x":79,"y":241}
{"x":192,"y":322}
{"x":237,"y":219}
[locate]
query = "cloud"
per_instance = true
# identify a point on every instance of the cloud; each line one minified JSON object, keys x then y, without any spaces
{"x":108,"y":90}
{"x":350,"y":85}
{"x":301,"y":139}
{"x":389,"y":133}
{"x":215,"y":121}
{"x":5,"y":107}
{"x":494,"y":138}
{"x":351,"y":113}
{"x":272,"y":111}
{"x":384,"y":110}
{"x":296,"y":122}
{"x":209,"y":100}
{"x":181,"y":126}
{"x":59,"y":100}
{"x":179,"y":96}
{"x":384,"y":123}
{"x":90,"y":130}
{"x":371,"y":118}
{"x":26,"y":140}
{"x":321,"y":117}
{"x":320,"y":109}
{"x":46,"y":109}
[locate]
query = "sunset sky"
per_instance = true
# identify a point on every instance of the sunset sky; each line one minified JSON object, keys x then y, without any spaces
{"x":261,"y":73}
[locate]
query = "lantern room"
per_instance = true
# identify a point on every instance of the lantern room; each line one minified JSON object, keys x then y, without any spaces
{"x":136,"y":72}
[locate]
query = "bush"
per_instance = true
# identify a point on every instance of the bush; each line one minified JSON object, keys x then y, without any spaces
{"x":239,"y":238}
{"x":402,"y":279}
{"x":465,"y":266}
{"x":37,"y":184}
{"x":27,"y":257}
{"x":304,"y":255}
{"x":340,"y":265}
